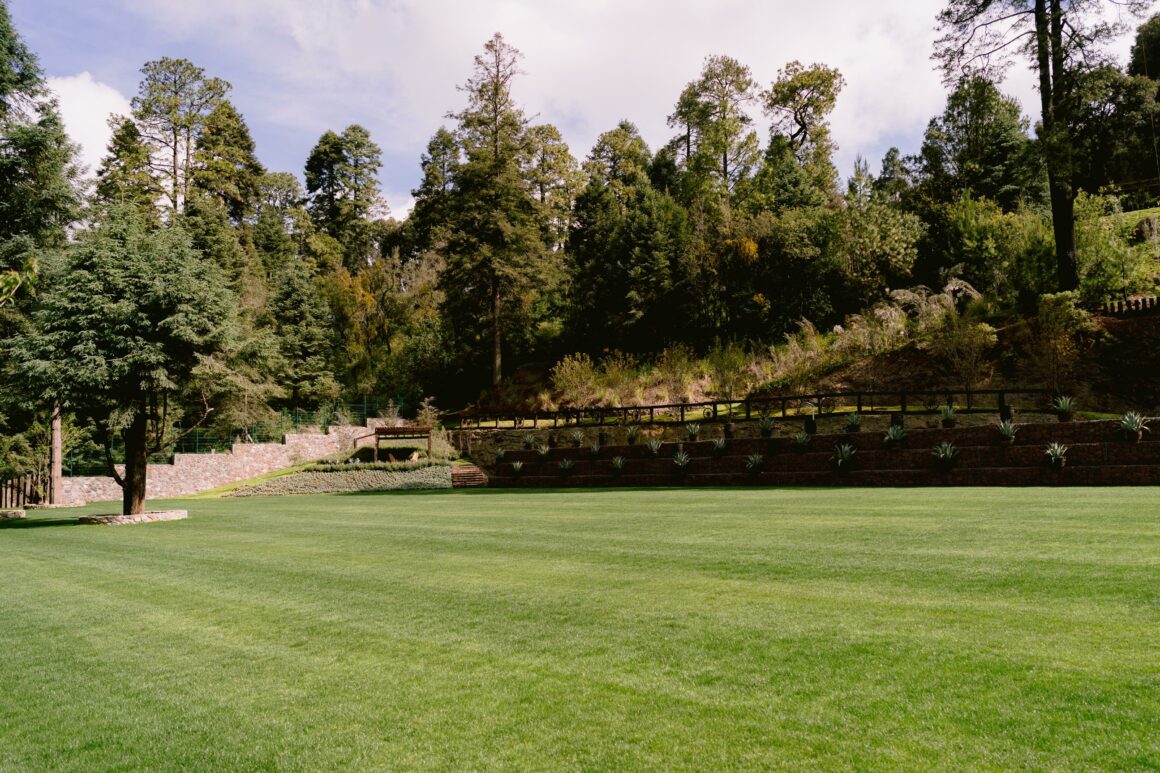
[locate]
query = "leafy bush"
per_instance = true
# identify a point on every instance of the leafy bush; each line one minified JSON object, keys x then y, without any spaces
{"x":576,"y":381}
{"x":677,"y":370}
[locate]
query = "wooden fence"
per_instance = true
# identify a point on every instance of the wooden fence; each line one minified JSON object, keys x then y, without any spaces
{"x":16,"y":493}
{"x":780,"y":407}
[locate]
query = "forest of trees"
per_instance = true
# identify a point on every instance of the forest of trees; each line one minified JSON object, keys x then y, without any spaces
{"x":259,"y":290}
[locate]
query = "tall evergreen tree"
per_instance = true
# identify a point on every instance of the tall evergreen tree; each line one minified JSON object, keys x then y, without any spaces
{"x":343,"y":190}
{"x":125,"y":175}
{"x":123,"y":329}
{"x":496,"y":258}
{"x":171,"y":107}
{"x":225,"y":166}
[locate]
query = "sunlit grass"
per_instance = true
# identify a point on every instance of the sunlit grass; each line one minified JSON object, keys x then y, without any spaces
{"x":708,"y":629}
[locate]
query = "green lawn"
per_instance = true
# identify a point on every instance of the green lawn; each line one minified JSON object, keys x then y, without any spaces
{"x":741,"y":629}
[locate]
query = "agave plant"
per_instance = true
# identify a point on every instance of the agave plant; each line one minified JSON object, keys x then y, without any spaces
{"x":766,"y":426}
{"x":1056,"y":454}
{"x":945,"y":454}
{"x":681,"y":460}
{"x":543,"y":451}
{"x":654,"y":446}
{"x":854,"y":422}
{"x":618,"y":464}
{"x":577,"y":437}
{"x":632,"y":434}
{"x":844,"y":456}
{"x":894,"y":436}
{"x":566,"y":466}
{"x":1064,"y":407}
{"x":947,"y":412}
{"x":754,"y":463}
{"x":692,"y":431}
{"x":500,"y":454}
{"x":529,"y":441}
{"x":719,"y":446}
{"x":1007,"y":430}
{"x":1133,"y":425}
{"x":801,"y":440}
{"x":594,"y":450}
{"x":517,"y":469}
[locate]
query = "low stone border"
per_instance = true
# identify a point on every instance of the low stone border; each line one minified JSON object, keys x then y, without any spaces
{"x":122,"y":520}
{"x":11,"y":515}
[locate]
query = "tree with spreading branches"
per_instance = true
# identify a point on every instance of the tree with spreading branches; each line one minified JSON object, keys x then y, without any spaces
{"x":1061,"y":39}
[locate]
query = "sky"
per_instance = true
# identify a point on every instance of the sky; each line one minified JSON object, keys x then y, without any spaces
{"x":301,"y":67}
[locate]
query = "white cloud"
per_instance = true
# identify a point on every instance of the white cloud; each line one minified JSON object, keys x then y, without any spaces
{"x":85,"y":105}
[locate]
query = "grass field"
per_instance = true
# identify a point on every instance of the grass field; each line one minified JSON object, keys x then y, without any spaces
{"x":916,"y":629}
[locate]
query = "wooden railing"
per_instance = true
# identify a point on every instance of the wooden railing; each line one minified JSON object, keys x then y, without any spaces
{"x":1133,"y":307}
{"x":16,"y":493}
{"x":780,"y":407}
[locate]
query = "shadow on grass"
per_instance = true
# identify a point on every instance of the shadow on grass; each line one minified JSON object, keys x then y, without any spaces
{"x":39,"y":523}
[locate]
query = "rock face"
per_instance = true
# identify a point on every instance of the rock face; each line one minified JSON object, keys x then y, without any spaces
{"x":11,"y":515}
{"x":123,"y":520}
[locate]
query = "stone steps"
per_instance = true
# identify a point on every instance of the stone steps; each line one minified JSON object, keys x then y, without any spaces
{"x":468,"y":476}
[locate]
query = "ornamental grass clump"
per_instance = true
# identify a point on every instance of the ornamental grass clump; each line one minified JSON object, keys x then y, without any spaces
{"x":1007,"y":430}
{"x":692,"y":431}
{"x":654,"y":446}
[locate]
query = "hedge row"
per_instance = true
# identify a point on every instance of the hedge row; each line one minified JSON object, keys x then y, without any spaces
{"x":348,"y":481}
{"x":336,"y":467}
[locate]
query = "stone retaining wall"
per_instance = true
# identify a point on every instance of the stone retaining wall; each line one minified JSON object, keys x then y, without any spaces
{"x":194,"y":473}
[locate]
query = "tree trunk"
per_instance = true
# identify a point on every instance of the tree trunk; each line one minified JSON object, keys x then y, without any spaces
{"x":55,"y":457}
{"x":497,"y":336}
{"x":1056,"y":137}
{"x":136,"y":458}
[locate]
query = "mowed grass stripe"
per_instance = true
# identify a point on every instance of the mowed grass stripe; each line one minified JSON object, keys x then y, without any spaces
{"x":591,"y":630}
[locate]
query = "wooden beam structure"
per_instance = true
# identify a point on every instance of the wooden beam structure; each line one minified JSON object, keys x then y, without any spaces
{"x":402,"y":433}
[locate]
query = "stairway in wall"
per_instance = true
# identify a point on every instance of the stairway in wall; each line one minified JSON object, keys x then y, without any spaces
{"x":1098,"y":455}
{"x":468,"y":476}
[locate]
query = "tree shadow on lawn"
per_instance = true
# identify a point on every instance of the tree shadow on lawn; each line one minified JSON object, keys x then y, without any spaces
{"x":39,"y":523}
